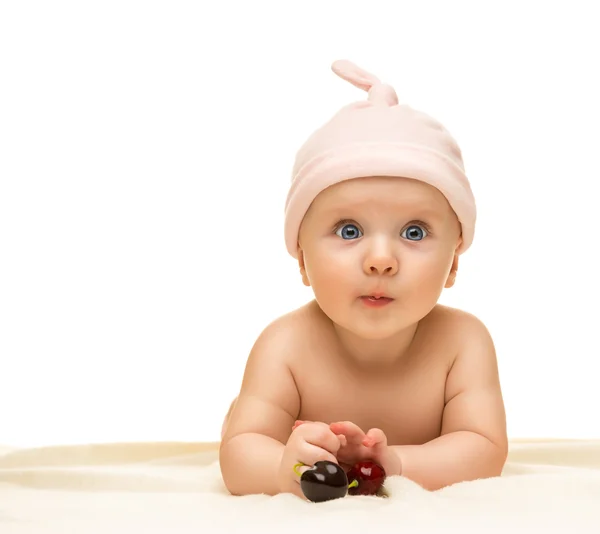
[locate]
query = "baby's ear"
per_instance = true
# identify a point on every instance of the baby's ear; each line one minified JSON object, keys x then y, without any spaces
{"x":452,"y":274}
{"x":302,"y":266}
{"x":460,"y":241}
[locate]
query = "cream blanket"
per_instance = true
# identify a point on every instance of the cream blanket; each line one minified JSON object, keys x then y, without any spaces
{"x":547,"y":486}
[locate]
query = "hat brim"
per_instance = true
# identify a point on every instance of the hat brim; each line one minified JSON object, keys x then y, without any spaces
{"x":379,"y":159}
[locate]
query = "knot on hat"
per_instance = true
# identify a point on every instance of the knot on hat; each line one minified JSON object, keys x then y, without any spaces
{"x":379,"y":93}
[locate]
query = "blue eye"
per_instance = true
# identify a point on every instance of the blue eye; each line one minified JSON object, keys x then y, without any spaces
{"x":415,"y":232}
{"x":348,"y":231}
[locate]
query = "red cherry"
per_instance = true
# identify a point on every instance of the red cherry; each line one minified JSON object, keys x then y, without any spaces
{"x":365,"y":478}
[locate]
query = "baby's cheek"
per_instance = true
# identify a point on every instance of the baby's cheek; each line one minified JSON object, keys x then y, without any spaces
{"x":424,"y":286}
{"x":339,"y":281}
{"x":332,"y":288}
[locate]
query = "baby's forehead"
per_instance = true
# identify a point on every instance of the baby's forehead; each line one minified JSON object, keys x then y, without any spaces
{"x":338,"y":202}
{"x":390,"y":208}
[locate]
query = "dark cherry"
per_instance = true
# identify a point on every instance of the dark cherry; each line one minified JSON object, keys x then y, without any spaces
{"x":366,"y":478}
{"x":324,"y":481}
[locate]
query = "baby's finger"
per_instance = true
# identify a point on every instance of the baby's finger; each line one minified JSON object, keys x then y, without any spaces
{"x":375,"y":438}
{"x":309,"y":455}
{"x":297,"y":424}
{"x":341,"y":437}
{"x":320,"y":436}
{"x":353,"y":433}
{"x":300,"y":422}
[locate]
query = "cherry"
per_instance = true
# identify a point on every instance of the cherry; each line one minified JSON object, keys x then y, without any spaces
{"x":324,"y":481}
{"x":370,"y":477}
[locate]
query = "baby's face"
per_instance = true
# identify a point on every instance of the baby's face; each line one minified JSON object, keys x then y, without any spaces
{"x":391,"y":235}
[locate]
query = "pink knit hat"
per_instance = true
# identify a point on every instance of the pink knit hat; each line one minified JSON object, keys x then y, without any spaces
{"x":377,"y":137}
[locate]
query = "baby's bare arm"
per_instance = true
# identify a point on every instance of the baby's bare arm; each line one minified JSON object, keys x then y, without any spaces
{"x":473,"y":442}
{"x":262,"y":420}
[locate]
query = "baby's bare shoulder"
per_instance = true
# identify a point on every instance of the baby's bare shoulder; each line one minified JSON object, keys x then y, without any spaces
{"x":269,"y":400}
{"x":473,"y":395}
{"x":466,"y":325}
{"x":284,"y":338}
{"x":472,"y":345}
{"x":454,"y":322}
{"x":453,"y":329}
{"x":293,"y":332}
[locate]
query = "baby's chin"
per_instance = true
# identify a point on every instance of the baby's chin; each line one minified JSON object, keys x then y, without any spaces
{"x":375,"y":333}
{"x":382,"y":330}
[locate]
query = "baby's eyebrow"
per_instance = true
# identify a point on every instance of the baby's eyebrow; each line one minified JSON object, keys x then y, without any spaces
{"x":425,"y":213}
{"x":412,"y":211}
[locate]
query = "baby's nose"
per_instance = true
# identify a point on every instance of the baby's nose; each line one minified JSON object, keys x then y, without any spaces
{"x":381,"y":265}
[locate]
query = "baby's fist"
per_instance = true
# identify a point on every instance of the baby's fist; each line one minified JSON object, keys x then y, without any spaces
{"x":308,"y":444}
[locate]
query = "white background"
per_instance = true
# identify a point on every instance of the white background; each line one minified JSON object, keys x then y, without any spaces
{"x":145,"y":155}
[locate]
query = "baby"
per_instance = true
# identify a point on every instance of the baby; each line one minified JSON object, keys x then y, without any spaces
{"x":378,"y":213}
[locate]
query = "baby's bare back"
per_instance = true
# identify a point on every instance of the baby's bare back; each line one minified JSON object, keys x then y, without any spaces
{"x":405,"y":400}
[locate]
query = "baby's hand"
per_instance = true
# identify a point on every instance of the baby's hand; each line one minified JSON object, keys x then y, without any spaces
{"x":370,"y":446}
{"x":306,"y":446}
{"x":356,"y":446}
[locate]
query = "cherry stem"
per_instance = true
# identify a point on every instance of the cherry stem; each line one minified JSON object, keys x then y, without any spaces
{"x":353,"y":484}
{"x":300,"y":464}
